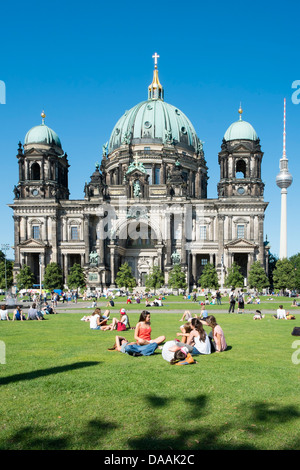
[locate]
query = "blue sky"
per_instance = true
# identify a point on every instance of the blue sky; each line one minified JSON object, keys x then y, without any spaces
{"x":85,"y":63}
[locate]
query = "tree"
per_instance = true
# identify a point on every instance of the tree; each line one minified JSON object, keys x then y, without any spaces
{"x":209,"y":277}
{"x":234,"y":278}
{"x":295,"y":260}
{"x":257,"y":277}
{"x":25,"y":278}
{"x":53,"y":278}
{"x":177,"y":278}
{"x":284,"y":275}
{"x":9,"y":274}
{"x":155,"y":279}
{"x":76,"y":278}
{"x":124,"y":277}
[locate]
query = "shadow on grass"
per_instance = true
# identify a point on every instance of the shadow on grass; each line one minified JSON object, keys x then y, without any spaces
{"x":35,"y":438}
{"x":197,"y":435}
{"x":192,"y":432}
{"x":45,"y":372}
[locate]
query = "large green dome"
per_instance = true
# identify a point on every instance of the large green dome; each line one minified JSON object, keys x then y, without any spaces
{"x":153,"y":121}
{"x":240,"y":130}
{"x":42,"y":134}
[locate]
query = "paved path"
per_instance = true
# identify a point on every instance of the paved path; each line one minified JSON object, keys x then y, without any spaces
{"x":192,"y":307}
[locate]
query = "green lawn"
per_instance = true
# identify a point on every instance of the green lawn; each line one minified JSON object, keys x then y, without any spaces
{"x":62,"y":389}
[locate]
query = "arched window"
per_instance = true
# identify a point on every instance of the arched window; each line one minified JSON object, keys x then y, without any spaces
{"x":140,"y":236}
{"x":240,"y":170}
{"x":35,"y":171}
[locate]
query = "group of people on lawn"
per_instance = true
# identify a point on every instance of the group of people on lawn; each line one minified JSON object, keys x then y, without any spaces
{"x":32,"y":314}
{"x":194,"y":339}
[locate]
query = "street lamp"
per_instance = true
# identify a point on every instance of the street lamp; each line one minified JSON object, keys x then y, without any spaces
{"x":222,"y":272}
{"x":5,"y":247}
{"x":40,"y":266}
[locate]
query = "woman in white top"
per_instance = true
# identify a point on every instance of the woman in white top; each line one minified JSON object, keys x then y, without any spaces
{"x":170,"y":350}
{"x":199,"y":338}
{"x":4,"y":313}
{"x":281,"y":313}
{"x":96,"y":321}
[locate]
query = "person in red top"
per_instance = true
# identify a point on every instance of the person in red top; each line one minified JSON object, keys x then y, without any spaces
{"x":142,"y":333}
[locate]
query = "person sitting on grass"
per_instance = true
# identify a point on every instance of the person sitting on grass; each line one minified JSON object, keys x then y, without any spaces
{"x":18,"y":314}
{"x":203,"y":313}
{"x":187,"y":316}
{"x":258,"y":315}
{"x":110,"y":303}
{"x":185,"y":331}
{"x":96,"y":321}
{"x":120,"y":325}
{"x":280,"y":314}
{"x":124,"y":346}
{"x":48,"y":310}
{"x":34,"y":314}
{"x":143,"y":330}
{"x":198,"y":338}
{"x":4,"y":313}
{"x":216,"y":335}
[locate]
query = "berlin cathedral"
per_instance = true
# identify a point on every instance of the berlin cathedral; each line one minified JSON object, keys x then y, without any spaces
{"x":146,"y":202}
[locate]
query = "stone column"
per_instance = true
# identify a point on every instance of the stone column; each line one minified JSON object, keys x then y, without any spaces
{"x":112,"y":265}
{"x":54,"y":238}
{"x":101,"y":242}
{"x":17,"y":239}
{"x":221,"y":219}
{"x":261,"y":239}
{"x":168,"y":235}
{"x":65,"y":267}
{"x":86,"y":236}
{"x":194,"y":268}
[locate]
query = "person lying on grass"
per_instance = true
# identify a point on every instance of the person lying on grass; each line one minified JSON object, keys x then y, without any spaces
{"x":142,"y":333}
{"x":124,"y":346}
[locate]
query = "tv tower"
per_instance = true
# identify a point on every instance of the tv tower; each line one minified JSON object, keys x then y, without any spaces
{"x":284,"y":179}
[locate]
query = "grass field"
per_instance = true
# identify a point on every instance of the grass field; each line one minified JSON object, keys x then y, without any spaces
{"x":62,"y":389}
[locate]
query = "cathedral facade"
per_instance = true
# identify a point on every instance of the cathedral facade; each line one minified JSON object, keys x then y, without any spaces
{"x":145,"y":204}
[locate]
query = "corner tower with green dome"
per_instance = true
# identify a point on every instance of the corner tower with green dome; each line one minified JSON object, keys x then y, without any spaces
{"x":241,"y":197}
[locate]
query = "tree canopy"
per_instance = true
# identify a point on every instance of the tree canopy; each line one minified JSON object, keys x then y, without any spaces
{"x":76,"y":278}
{"x":284,"y":275}
{"x":155,"y":278}
{"x":177,"y":278}
{"x":25,"y":278}
{"x":234,"y":277}
{"x":209,"y":277}
{"x":257,"y":277}
{"x":124,"y":277}
{"x":53,"y":278}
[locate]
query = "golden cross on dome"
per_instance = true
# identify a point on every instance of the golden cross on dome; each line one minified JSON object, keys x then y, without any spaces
{"x":155,"y":57}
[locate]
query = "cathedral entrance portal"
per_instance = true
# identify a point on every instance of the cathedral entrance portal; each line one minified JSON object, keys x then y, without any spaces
{"x":242,"y":260}
{"x":140,"y":264}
